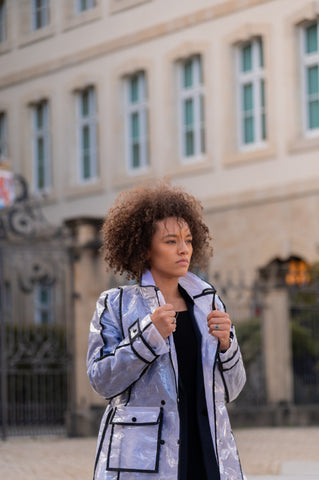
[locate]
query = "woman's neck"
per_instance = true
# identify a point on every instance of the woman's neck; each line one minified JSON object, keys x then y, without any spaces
{"x":171,"y":293}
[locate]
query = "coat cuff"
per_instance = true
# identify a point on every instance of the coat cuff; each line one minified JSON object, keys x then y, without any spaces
{"x":146,"y":341}
{"x":231,"y":357}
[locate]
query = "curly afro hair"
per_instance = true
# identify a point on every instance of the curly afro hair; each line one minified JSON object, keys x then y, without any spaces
{"x":131,"y":222}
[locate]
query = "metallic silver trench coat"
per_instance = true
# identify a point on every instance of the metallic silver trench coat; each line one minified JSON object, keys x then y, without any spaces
{"x":130,"y":364}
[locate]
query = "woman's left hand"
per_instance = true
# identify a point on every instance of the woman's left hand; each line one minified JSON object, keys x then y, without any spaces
{"x":219,"y":326}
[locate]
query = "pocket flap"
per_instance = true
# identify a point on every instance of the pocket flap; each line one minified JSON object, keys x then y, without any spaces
{"x":126,"y":415}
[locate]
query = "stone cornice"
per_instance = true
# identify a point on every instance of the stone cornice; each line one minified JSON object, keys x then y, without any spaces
{"x":252,"y":198}
{"x":201,"y":16}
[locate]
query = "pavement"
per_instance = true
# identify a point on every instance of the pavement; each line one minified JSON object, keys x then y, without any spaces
{"x":266,"y":454}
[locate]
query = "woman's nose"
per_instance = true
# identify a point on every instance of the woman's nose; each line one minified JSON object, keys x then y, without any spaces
{"x":184,"y":247}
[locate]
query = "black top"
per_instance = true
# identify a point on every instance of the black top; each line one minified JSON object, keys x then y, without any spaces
{"x":197,"y":455}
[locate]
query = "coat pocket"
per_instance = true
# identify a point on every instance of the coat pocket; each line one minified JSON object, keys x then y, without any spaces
{"x":135,"y":439}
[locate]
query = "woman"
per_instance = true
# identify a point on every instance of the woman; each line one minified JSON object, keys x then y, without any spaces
{"x":163,"y":351}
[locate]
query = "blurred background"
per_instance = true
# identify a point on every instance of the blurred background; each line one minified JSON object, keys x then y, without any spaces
{"x":219,"y":96}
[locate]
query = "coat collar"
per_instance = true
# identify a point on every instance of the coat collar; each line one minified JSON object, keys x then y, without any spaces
{"x":194,"y":286}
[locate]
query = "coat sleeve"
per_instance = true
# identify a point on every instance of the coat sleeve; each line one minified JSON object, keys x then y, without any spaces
{"x":115,"y":361}
{"x":231,"y":365}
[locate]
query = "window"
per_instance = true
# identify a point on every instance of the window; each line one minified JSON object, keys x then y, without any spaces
{"x":3,"y":137}
{"x":87,"y":139}
{"x":310,"y":78}
{"x":82,"y":5}
{"x":191,"y":107}
{"x":3,"y":21}
{"x":41,"y":146}
{"x":43,"y":303}
{"x":40,"y":14}
{"x":252,"y":124}
{"x":136,"y":122}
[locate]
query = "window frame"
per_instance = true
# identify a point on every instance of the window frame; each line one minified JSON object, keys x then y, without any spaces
{"x":44,"y":15}
{"x":89,"y":122}
{"x":44,"y":135}
{"x":253,"y":77}
{"x":306,"y":61}
{"x":196,"y":93}
{"x":139,"y":108}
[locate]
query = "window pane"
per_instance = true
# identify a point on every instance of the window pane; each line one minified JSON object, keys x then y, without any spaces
{"x":85,"y":103}
{"x":2,"y":21}
{"x":3,"y":142}
{"x":263,"y":127}
{"x":188,"y":112}
{"x":313,"y":80}
{"x":86,"y":165}
{"x":83,"y":5}
{"x":312,"y":38}
{"x":85,"y":137}
{"x":44,"y":296}
{"x":40,"y":163}
{"x":134,"y":89}
{"x":246,"y":58}
{"x":262,"y":93}
{"x":248,"y":102}
{"x":263,"y":115}
{"x":39,"y":116}
{"x":188,"y":73}
{"x":44,"y":317}
{"x":260,"y":52}
{"x":200,"y":66}
{"x":189,"y":144}
{"x":314,"y":114}
{"x":135,"y":126}
{"x":202,"y":120}
{"x":249,"y":136}
{"x":136,"y":155}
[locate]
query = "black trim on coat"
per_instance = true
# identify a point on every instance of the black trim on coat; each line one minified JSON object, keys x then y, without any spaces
{"x":230,"y":368}
{"x":220,"y":368}
{"x":229,"y":359}
{"x":100,"y":322}
{"x":139,"y":335}
{"x":107,"y":422}
{"x":120,"y":310}
{"x":159,"y":422}
{"x":207,"y":291}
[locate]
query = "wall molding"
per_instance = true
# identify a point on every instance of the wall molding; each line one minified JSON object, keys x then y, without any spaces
{"x":178,"y":24}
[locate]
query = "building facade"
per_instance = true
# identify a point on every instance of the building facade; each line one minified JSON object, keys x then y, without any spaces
{"x":221,"y":96}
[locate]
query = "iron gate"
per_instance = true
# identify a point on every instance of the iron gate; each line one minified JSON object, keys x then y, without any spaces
{"x":36,"y":360}
{"x":305,"y":352}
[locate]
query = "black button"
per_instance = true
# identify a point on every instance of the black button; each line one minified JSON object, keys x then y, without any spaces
{"x":134,"y":419}
{"x":163,"y":402}
{"x":178,"y":442}
{"x":162,"y":442}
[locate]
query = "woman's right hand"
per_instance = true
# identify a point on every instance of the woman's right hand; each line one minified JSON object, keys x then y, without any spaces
{"x":164,"y":319}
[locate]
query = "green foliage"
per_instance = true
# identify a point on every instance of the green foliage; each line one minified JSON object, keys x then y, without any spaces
{"x":249,"y":337}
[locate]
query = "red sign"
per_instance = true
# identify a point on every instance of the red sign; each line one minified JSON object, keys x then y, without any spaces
{"x":6,"y":188}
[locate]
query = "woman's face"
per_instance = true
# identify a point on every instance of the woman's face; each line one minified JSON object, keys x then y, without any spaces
{"x":171,"y":249}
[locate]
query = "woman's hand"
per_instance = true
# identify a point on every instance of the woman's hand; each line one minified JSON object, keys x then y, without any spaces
{"x":219,"y":326}
{"x":164,"y":319}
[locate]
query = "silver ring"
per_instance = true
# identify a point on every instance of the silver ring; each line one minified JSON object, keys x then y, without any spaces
{"x":174,"y":322}
{"x":174,"y":329}
{"x":216,"y":327}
